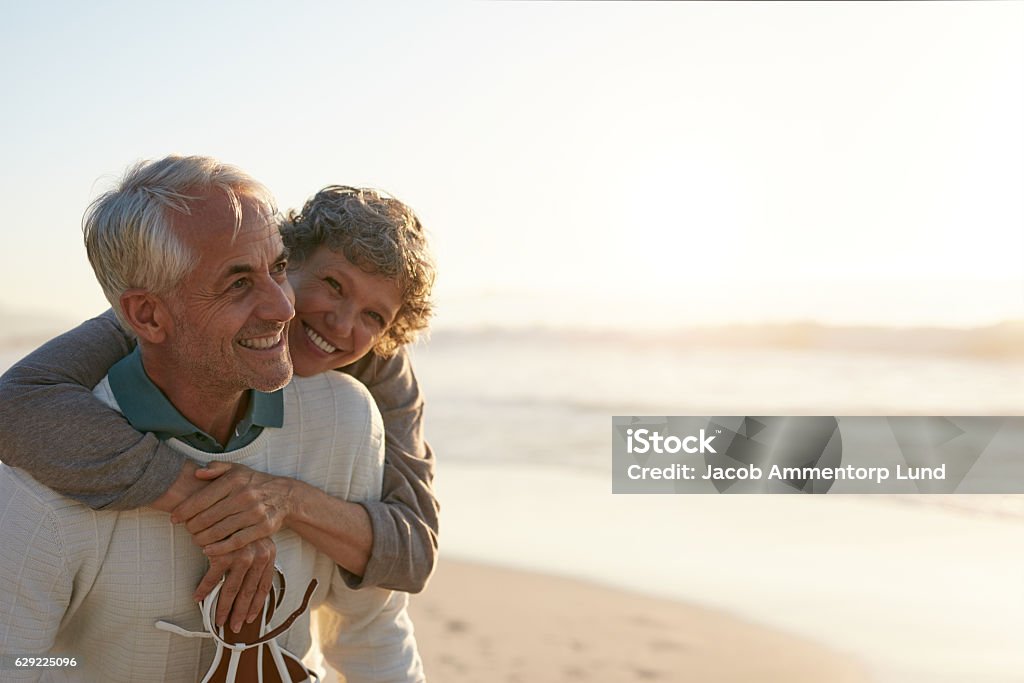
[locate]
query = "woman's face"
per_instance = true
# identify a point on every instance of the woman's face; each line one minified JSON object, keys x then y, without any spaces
{"x":340,"y":312}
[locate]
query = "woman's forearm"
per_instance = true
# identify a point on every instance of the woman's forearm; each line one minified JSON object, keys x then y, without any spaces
{"x":52,"y":426}
{"x":339,"y":528}
{"x":405,"y":521}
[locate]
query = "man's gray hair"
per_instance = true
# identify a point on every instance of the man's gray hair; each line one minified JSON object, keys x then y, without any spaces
{"x":128,"y":231}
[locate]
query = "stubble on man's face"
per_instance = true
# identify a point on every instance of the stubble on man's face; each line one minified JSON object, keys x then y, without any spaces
{"x":236,"y":301}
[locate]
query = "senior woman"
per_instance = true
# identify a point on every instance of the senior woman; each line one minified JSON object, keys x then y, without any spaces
{"x":362,"y":274}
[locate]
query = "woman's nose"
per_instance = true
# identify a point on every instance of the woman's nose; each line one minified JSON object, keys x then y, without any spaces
{"x":341,"y":320}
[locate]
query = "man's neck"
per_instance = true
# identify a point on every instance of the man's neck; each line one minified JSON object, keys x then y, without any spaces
{"x":215,"y":411}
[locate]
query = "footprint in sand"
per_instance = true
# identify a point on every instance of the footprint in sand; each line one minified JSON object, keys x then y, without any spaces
{"x":456,"y":626}
{"x":647,"y":674}
{"x":663,"y":645}
{"x":646,"y":621}
{"x":453,"y":663}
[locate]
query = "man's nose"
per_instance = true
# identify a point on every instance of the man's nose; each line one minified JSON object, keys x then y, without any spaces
{"x":277,"y":302}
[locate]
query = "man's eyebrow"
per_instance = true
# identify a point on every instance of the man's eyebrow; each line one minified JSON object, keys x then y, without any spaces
{"x":248,"y":268}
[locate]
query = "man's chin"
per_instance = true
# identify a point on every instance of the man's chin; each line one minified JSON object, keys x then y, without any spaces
{"x":272,"y":379}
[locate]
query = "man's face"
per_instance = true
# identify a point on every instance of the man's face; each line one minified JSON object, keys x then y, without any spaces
{"x":230,"y":314}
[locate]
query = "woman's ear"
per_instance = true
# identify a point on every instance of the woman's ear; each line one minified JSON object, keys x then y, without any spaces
{"x":147,"y":315}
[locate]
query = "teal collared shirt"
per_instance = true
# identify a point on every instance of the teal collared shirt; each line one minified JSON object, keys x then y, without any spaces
{"x":148,"y":410}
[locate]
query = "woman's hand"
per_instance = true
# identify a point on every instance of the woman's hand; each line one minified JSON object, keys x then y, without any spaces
{"x":239,"y":506}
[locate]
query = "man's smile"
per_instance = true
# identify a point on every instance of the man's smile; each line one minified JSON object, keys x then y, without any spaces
{"x":263,"y":343}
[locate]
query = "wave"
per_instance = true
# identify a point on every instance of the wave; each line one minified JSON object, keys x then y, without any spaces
{"x":1000,"y":341}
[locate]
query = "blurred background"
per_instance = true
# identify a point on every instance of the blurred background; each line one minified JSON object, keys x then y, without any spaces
{"x":637,"y":209}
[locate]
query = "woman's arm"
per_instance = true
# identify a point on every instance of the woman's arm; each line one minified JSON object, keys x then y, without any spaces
{"x":404,"y":521}
{"x":389,"y":544}
{"x":53,"y":427}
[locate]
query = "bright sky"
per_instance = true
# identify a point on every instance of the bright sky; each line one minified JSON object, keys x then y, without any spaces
{"x":601,"y":163}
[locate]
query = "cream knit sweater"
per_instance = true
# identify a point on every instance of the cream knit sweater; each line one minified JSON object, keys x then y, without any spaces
{"x":92,"y":584}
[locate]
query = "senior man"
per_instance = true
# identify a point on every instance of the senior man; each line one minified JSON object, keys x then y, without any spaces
{"x":189,"y":256}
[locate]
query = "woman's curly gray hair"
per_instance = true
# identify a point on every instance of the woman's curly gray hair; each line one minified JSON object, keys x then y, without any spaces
{"x":377,"y":233}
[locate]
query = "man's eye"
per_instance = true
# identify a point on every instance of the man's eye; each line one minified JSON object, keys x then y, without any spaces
{"x":240,"y":283}
{"x":279,"y":268}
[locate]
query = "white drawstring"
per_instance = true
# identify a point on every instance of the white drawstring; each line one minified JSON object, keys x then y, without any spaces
{"x":208,"y":608}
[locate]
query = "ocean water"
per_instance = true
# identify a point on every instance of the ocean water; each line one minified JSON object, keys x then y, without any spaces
{"x":548,"y":398}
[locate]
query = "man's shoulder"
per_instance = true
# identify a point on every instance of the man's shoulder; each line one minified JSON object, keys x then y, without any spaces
{"x":330,"y":393}
{"x":33,"y":500}
{"x":329,"y":383}
{"x":332,"y":403}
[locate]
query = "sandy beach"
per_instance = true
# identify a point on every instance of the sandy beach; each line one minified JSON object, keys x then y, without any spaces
{"x":912,"y":591}
{"x":481,"y":623}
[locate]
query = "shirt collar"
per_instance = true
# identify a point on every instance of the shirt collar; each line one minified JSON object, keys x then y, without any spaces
{"x":149,"y":410}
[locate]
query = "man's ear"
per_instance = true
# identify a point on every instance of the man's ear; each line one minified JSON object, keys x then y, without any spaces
{"x":147,"y":314}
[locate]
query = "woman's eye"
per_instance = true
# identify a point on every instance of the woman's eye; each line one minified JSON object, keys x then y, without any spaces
{"x":377,"y":318}
{"x":333,"y":284}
